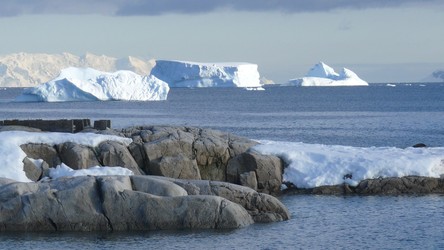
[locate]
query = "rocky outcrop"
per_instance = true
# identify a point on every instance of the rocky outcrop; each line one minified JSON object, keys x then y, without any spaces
{"x":119,"y":203}
{"x":409,"y":185}
{"x":176,"y":152}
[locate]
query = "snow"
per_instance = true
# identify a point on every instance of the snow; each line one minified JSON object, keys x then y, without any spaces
{"x":194,"y":74}
{"x":64,"y":171}
{"x":11,"y":155}
{"x":323,"y":75}
{"x":87,"y":84}
{"x":313,"y":165}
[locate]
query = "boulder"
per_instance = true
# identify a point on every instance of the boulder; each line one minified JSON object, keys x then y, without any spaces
{"x":198,"y":153}
{"x":32,"y":169}
{"x":77,"y":156}
{"x":42,"y":151}
{"x":113,"y":154}
{"x":262,"y":207}
{"x":267,"y":169}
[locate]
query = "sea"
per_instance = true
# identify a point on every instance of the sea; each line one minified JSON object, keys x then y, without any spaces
{"x":380,"y":115}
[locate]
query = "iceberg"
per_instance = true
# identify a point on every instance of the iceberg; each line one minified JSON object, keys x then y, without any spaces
{"x":87,"y":84}
{"x":196,"y":75}
{"x":323,"y":75}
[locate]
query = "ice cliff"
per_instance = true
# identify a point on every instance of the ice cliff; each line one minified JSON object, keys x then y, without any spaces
{"x":32,"y":69}
{"x":323,"y":75}
{"x":193,"y":74}
{"x":87,"y":84}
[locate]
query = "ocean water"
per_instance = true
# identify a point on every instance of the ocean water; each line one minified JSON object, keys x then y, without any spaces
{"x":372,"y":116}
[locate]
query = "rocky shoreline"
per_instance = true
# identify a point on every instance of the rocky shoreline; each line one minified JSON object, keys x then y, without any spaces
{"x":197,"y":178}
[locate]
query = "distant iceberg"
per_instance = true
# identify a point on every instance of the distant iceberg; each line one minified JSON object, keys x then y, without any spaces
{"x":323,"y":75}
{"x":87,"y":84}
{"x":195,"y":75}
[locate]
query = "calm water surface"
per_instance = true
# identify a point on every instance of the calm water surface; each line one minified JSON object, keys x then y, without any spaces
{"x":355,"y":116}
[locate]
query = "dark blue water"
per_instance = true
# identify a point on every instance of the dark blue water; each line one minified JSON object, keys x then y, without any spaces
{"x":358,"y":116}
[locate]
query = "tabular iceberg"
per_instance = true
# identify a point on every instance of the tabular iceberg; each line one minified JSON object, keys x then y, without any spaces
{"x":193,"y":74}
{"x":323,"y":75}
{"x":87,"y":84}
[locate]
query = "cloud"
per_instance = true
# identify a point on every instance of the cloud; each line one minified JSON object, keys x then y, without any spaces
{"x":160,"y":7}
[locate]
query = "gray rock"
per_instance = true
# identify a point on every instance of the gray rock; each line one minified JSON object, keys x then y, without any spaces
{"x":32,"y":171}
{"x":156,"y":186}
{"x":167,"y":148}
{"x":113,"y":154}
{"x":403,"y":185}
{"x":113,"y":203}
{"x":262,"y":207}
{"x":409,"y":185}
{"x":77,"y":156}
{"x":268,"y":170}
{"x":248,"y":179}
{"x":42,"y":151}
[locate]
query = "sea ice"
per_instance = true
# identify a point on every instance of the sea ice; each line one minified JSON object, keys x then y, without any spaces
{"x":313,"y":165}
{"x":194,"y":74}
{"x":87,"y":84}
{"x":323,"y":75}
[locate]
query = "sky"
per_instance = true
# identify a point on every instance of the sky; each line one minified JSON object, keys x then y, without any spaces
{"x":380,"y":40}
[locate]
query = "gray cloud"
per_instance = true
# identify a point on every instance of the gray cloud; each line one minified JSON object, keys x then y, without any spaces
{"x":159,"y":7}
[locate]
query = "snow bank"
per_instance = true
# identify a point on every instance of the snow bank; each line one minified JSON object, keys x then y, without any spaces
{"x":87,"y":84}
{"x":11,"y":155}
{"x":313,"y":165}
{"x":193,"y":74}
{"x":323,"y":75}
{"x":64,"y":171}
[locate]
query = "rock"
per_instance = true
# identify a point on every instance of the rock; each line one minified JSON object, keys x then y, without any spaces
{"x":403,"y":185}
{"x":409,"y":185}
{"x":177,"y":166}
{"x":267,"y":168}
{"x":70,"y":204}
{"x":262,"y":207}
{"x":117,"y":203}
{"x":116,"y":154}
{"x":77,"y":156}
{"x":248,"y":179}
{"x":33,"y":172}
{"x":42,"y":151}
{"x":156,"y":186}
{"x":198,"y":153}
{"x":419,"y":145}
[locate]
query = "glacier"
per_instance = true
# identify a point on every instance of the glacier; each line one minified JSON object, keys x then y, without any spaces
{"x":323,"y":75}
{"x":195,"y":75}
{"x":87,"y":84}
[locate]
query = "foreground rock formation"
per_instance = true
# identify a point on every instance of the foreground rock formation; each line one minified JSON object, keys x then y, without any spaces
{"x":116,"y":203}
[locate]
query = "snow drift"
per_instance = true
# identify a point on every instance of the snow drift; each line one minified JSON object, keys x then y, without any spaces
{"x":323,"y":75}
{"x":314,"y":165}
{"x":193,"y":74}
{"x":87,"y":84}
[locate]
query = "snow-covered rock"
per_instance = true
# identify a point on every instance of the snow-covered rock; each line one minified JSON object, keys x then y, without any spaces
{"x":193,"y":74}
{"x":323,"y":75}
{"x":87,"y":84}
{"x":32,"y":69}
{"x":436,"y":76}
